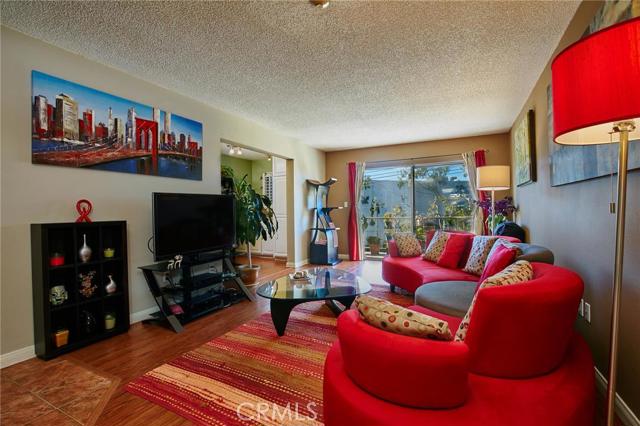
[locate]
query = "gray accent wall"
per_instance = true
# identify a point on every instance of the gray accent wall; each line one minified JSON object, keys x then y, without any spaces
{"x":574,"y":222}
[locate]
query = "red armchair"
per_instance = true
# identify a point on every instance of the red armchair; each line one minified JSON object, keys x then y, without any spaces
{"x":521,"y":364}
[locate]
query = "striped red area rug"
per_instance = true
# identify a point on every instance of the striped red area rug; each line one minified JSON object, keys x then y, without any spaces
{"x":250,"y":376}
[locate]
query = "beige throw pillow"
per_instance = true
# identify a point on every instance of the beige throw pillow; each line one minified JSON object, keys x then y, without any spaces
{"x":436,"y":246}
{"x":479,"y":253}
{"x":408,"y":245}
{"x":518,"y":272}
{"x":396,"y":319}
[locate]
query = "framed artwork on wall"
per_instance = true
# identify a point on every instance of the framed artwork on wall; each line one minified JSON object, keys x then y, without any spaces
{"x":77,"y":126}
{"x":525,"y":149}
{"x":576,"y":163}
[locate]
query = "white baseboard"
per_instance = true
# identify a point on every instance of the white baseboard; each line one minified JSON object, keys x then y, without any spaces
{"x":142,"y":315}
{"x":627,"y":417}
{"x":29,"y":352}
{"x":297,"y":264}
{"x":17,"y":356}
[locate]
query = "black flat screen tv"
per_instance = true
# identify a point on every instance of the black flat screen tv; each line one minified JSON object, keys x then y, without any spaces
{"x":189,"y":224}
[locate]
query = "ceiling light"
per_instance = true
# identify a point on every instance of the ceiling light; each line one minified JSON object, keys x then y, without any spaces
{"x":269,"y":157}
{"x":322,"y":4}
{"x":238,"y":150}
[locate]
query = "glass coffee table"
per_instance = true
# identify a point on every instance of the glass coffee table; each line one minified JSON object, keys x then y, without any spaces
{"x":334,"y":286}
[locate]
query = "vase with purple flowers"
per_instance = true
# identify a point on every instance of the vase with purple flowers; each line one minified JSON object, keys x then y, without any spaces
{"x":504,"y":210}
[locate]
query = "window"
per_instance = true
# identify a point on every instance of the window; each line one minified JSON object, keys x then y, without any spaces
{"x":442,"y":198}
{"x":267,"y":185}
{"x":413,"y":198}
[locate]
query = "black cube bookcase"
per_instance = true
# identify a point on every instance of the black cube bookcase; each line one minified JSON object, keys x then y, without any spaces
{"x":67,"y":238}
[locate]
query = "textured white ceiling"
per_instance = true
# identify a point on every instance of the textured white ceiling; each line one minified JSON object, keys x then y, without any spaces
{"x":355,"y":74}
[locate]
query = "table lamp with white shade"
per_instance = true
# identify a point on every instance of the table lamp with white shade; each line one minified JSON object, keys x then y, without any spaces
{"x":596,"y":100}
{"x":493,"y":178}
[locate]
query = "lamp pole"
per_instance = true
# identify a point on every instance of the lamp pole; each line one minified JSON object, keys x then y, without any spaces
{"x":623,"y":128}
{"x":493,"y":211}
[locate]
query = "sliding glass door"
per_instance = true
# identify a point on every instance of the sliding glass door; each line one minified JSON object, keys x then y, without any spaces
{"x":386,"y":205}
{"x":442,"y":198}
{"x":412,"y":198}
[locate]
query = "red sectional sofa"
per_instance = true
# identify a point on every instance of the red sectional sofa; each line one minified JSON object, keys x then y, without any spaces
{"x":410,"y":273}
{"x":521,"y":364}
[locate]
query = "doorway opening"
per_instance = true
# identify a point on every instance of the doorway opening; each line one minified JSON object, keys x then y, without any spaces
{"x":267,"y":174}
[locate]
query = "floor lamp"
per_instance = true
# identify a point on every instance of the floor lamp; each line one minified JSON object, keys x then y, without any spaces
{"x":493,"y":178}
{"x":596,"y":100}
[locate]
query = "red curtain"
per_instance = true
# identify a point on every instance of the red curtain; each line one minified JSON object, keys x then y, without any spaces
{"x":352,"y":228}
{"x":482,"y":195}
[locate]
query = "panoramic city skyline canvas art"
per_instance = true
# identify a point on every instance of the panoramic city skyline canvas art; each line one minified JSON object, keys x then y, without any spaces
{"x":77,"y":126}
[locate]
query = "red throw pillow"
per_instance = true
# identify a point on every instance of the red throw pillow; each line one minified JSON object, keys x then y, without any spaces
{"x":453,"y":250}
{"x":501,"y":257}
{"x":393,"y":249}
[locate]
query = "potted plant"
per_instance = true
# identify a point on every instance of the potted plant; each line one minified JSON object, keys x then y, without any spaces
{"x":227,"y":180}
{"x":374,"y":244}
{"x":254,"y":219}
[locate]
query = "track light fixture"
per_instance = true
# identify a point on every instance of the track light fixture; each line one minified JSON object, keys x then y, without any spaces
{"x":234,"y":150}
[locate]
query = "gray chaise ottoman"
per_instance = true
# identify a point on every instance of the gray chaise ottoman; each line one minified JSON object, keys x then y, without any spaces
{"x":454,"y":297}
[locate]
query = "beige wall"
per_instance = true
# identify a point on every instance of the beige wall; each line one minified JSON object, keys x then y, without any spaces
{"x":498,"y":153}
{"x":574,"y":221}
{"x":39,"y":193}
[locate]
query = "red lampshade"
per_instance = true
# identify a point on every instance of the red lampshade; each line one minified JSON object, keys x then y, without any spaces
{"x":596,"y":82}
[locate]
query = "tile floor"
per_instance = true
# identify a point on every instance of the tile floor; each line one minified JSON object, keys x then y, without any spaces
{"x":59,"y":392}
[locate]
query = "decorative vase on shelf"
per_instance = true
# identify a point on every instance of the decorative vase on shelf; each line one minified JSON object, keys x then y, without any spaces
{"x":87,"y":322}
{"x":109,"y":321}
{"x":111,"y":286}
{"x":85,"y":250}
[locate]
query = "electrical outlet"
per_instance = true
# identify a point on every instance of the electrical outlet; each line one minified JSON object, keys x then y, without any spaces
{"x":581,"y":308}
{"x":587,"y":312}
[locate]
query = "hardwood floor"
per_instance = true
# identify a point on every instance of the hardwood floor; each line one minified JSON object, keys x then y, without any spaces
{"x":143,"y":348}
{"x":146,"y":346}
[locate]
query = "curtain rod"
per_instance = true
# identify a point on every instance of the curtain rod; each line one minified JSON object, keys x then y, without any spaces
{"x":419,"y":158}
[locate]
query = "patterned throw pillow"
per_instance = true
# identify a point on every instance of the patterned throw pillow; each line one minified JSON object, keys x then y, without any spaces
{"x":408,"y":245}
{"x":518,"y":272}
{"x":479,"y":253}
{"x":436,"y":246}
{"x":396,"y":319}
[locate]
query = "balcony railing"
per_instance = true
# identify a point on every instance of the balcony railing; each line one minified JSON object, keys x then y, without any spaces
{"x":378,"y":229}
